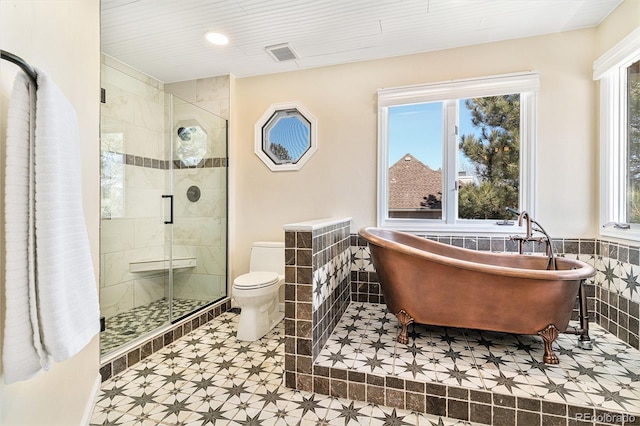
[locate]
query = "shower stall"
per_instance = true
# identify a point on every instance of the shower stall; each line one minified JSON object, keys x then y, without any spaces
{"x":163,"y":251}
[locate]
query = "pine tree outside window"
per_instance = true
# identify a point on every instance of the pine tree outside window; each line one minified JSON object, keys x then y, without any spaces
{"x":452,"y":156}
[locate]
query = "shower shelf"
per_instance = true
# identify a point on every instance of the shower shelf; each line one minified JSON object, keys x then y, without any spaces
{"x":162,"y":264}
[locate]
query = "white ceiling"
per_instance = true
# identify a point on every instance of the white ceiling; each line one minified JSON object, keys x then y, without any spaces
{"x":165,"y":38}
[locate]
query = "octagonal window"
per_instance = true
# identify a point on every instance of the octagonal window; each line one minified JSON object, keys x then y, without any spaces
{"x":191,"y":143}
{"x":285,"y":137}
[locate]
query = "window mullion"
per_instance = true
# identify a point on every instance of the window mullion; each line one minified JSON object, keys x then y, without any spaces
{"x":621,"y":136}
{"x":610,"y":150}
{"x":383,"y":172}
{"x":450,"y":161}
{"x":527,"y":151}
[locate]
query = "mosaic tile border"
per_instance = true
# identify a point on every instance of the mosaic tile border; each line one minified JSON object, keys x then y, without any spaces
{"x":154,"y":163}
{"x":133,"y":356}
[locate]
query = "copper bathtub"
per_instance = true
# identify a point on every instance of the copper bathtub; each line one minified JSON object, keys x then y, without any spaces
{"x":432,"y":283}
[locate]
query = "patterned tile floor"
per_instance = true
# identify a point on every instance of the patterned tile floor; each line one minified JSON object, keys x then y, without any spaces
{"x":127,"y":326}
{"x":607,"y":377}
{"x":208,"y":377}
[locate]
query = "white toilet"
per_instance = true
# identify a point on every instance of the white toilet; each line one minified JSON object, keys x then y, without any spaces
{"x":257,"y":292}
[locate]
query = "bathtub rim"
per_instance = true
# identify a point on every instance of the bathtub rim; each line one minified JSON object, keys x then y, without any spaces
{"x":373,"y":236}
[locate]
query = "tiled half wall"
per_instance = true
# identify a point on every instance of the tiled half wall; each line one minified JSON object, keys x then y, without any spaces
{"x":313,"y":307}
{"x":317,"y":291}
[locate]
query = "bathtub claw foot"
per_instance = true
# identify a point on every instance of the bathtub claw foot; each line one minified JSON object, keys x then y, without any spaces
{"x":405,"y":319}
{"x":549,"y":335}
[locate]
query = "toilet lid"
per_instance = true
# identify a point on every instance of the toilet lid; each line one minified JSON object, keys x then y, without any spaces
{"x":256,"y":280}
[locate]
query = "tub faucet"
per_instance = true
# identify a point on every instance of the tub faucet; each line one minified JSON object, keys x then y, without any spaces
{"x":525,"y":216}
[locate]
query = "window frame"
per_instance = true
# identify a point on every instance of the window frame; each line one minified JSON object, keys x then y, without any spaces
{"x":259,"y":136}
{"x":449,"y":92}
{"x":610,"y":70}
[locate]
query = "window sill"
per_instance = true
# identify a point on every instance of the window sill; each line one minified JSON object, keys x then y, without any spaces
{"x":631,"y":235}
{"x":462,"y":229}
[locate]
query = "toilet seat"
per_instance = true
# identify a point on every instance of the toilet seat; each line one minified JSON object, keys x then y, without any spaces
{"x":256,"y":280}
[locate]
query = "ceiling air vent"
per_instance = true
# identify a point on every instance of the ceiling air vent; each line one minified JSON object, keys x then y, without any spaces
{"x":282,"y":52}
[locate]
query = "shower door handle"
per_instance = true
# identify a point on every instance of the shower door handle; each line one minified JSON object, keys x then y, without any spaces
{"x":170,"y":197}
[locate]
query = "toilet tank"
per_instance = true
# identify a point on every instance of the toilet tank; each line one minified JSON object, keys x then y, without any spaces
{"x":267,"y":256}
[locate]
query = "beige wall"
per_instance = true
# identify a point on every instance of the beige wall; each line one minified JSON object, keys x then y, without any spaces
{"x":340,"y":179}
{"x":622,"y":21}
{"x":62,"y":38}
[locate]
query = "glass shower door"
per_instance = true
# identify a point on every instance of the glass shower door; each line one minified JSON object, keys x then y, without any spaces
{"x":134,"y":281}
{"x":199,"y":181}
{"x":163,"y":251}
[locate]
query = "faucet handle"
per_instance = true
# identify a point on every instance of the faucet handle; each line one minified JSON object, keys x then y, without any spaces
{"x":513,"y":211}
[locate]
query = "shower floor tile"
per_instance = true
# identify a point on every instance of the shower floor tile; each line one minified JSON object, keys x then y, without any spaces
{"x":606,"y":377}
{"x":127,"y":326}
{"x":208,"y":377}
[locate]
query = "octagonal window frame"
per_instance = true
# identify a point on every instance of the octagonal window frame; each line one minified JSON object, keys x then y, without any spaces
{"x":269,"y":118}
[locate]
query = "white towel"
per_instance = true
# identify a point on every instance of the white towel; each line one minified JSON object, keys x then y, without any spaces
{"x":22,"y":352}
{"x":51,"y":295}
{"x":67,"y":293}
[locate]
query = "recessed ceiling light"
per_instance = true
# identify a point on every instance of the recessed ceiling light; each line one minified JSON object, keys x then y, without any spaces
{"x":217,"y":38}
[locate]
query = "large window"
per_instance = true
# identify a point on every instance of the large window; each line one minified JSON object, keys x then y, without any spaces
{"x":618,"y":71}
{"x":455,"y":155}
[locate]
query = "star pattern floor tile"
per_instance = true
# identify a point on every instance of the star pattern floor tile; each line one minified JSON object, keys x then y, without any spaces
{"x":606,"y":377}
{"x":208,"y":377}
